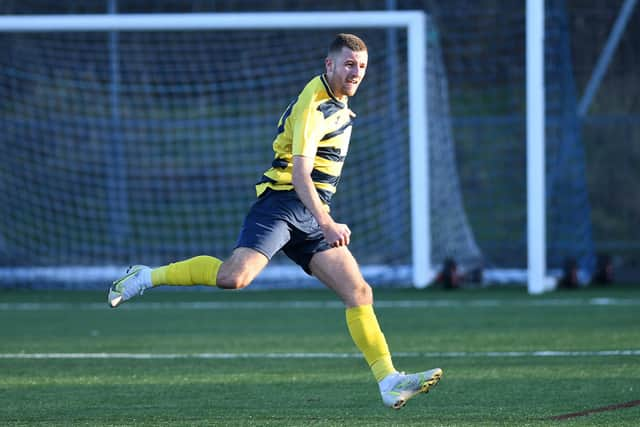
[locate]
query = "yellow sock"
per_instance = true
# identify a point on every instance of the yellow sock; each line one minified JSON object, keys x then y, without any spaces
{"x":368,"y":337}
{"x":200,"y":270}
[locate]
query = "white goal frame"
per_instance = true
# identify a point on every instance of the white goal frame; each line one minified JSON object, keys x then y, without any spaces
{"x":420,"y":272}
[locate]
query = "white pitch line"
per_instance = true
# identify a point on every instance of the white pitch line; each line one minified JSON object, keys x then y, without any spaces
{"x":233,"y":356}
{"x":268,"y":305}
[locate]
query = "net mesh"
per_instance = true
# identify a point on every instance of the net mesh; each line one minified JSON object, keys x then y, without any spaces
{"x":143,"y":147}
{"x":485,"y":56}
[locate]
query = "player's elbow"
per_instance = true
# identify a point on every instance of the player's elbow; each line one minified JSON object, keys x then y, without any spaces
{"x":301,"y":171}
{"x":300,"y":179}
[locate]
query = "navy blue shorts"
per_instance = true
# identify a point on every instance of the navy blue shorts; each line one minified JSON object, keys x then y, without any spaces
{"x":279,"y":220}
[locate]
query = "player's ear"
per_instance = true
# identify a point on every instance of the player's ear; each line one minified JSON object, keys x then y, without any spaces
{"x":328,"y":64}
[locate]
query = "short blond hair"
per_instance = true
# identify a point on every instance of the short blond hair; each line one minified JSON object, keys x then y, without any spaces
{"x":350,"y":41}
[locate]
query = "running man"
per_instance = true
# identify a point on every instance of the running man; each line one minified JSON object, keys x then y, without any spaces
{"x":292,"y":214}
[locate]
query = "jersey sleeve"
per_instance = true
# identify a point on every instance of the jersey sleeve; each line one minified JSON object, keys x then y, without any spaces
{"x":307,"y":130}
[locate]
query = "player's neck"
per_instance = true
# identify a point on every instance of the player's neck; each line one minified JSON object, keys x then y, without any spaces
{"x":332,"y":92}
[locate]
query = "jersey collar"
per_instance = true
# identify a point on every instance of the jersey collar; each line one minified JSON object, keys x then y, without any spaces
{"x":323,"y":79}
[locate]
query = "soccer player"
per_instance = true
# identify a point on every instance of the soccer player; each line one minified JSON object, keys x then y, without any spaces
{"x":291,"y":214}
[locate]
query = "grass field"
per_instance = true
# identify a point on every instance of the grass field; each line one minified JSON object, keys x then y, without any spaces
{"x":281,"y":358}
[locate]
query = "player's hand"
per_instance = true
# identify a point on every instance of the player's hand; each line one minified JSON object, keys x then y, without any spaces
{"x":336,"y":234}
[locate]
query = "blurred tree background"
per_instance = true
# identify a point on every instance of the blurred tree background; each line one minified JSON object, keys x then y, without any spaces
{"x":483,"y":43}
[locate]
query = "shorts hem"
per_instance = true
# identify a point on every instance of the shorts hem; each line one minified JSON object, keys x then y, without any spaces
{"x":255,"y":249}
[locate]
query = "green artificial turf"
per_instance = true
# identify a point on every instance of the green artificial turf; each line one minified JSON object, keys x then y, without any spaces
{"x":284,"y":358}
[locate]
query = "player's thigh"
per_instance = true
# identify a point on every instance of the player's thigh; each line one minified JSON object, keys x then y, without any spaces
{"x":241,"y":268}
{"x":339,"y":271}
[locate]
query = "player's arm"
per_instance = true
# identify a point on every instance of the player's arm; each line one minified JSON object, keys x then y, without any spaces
{"x":335,"y":233}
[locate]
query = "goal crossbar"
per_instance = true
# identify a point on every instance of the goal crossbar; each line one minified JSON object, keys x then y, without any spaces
{"x":211,"y":21}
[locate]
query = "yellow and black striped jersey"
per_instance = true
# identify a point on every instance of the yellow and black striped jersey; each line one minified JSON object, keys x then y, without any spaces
{"x":315,"y":124}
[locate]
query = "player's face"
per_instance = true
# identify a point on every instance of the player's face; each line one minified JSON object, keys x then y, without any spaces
{"x":345,"y":70}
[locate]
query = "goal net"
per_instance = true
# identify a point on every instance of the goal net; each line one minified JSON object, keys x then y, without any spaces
{"x":143,"y":145}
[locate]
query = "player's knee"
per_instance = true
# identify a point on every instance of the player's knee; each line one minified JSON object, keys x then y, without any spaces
{"x":363,"y":294}
{"x":233,"y":281}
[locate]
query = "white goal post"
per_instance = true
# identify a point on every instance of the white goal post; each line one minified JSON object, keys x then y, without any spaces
{"x":413,"y":22}
{"x":537,"y":281}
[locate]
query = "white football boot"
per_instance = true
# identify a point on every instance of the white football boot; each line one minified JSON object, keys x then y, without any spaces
{"x":137,"y":279}
{"x":397,"y":388}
